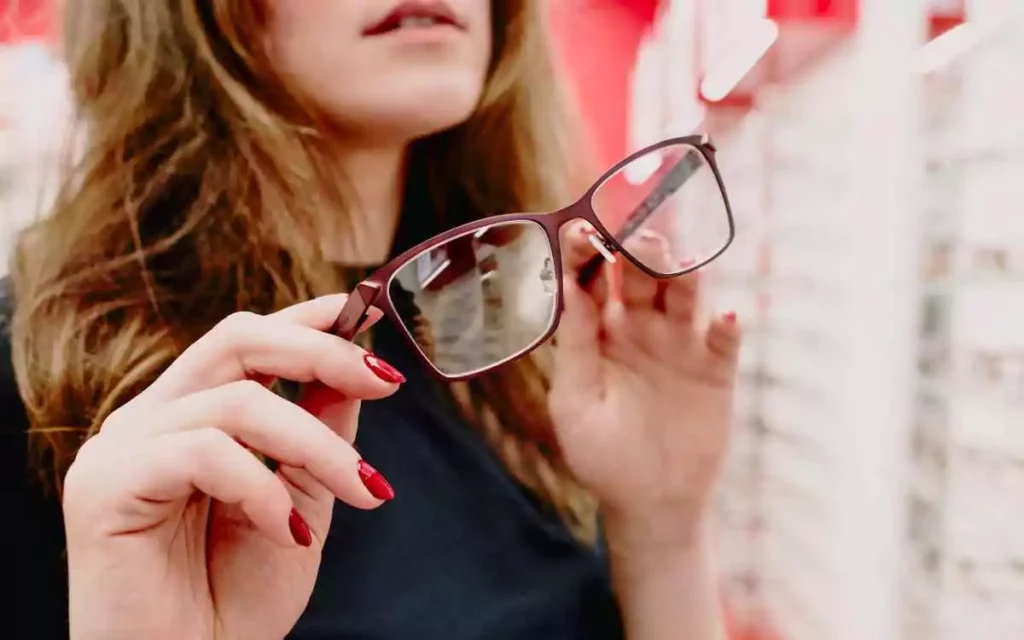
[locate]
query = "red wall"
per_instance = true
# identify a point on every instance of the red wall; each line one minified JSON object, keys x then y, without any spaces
{"x":26,"y":19}
{"x":597,"y":42}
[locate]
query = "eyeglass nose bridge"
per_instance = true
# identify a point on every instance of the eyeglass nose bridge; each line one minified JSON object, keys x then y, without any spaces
{"x":582,"y":212}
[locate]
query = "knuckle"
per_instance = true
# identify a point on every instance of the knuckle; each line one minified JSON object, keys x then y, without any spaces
{"x":79,"y":470}
{"x":114,"y":418}
{"x":205,"y":447}
{"x":244,"y":392}
{"x":243,"y":398}
{"x":87,"y":477}
{"x":240,"y":323}
{"x":77,"y":494}
{"x":116,"y":421}
{"x":268,"y":486}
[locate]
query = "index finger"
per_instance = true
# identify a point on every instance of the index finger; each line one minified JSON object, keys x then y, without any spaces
{"x":320,"y":313}
{"x":576,"y":246}
{"x":578,"y":251}
{"x":290,"y":344}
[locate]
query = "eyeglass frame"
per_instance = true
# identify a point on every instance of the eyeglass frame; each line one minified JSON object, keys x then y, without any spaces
{"x":374,"y":290}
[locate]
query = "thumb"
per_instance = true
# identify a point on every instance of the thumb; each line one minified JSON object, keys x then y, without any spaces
{"x":578,"y":350}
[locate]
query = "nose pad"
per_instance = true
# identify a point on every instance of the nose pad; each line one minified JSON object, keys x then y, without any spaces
{"x":602,"y":248}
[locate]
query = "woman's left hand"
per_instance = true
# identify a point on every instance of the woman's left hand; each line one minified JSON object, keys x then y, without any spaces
{"x":642,"y":396}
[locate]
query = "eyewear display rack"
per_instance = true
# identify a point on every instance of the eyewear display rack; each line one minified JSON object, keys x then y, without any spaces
{"x":735,"y":282}
{"x":824,"y":182}
{"x":783,"y":273}
{"x":965,"y":573}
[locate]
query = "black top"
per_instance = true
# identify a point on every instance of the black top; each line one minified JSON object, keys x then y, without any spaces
{"x":463,"y":551}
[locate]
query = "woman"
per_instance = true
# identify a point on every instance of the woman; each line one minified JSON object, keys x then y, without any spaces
{"x":245,"y":161}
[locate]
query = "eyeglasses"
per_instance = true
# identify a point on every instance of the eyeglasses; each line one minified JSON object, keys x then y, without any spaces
{"x":489,"y":291}
{"x":945,"y":259}
{"x":995,"y":374}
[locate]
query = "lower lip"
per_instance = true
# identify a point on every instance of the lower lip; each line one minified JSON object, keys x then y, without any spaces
{"x":433,"y":33}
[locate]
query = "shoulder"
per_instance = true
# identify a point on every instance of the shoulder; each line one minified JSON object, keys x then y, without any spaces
{"x":8,"y":385}
{"x":13,"y":421}
{"x":13,"y":418}
{"x":31,"y":551}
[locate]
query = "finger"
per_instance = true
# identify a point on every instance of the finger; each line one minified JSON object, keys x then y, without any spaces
{"x":576,"y":246}
{"x":337,"y":411}
{"x":577,"y":251}
{"x":321,"y":313}
{"x":640,"y":289}
{"x":272,"y":426}
{"x":246,"y":343}
{"x":652,"y":249}
{"x":578,"y":351}
{"x":723,"y":338}
{"x":341,"y":415}
{"x":209,"y":461}
{"x":682,"y":295}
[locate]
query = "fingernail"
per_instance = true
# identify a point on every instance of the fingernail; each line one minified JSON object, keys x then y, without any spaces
{"x":686,"y":264}
{"x":383,"y":370}
{"x":729,"y":317}
{"x":300,"y":530}
{"x":375,"y":482}
{"x":587,"y":229}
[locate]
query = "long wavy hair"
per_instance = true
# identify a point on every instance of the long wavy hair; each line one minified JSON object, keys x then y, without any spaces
{"x":188,"y":199}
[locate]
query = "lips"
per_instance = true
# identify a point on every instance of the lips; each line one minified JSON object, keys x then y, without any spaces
{"x":415,"y":14}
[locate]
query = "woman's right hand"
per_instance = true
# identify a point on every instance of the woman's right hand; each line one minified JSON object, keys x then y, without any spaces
{"x":175,"y":529}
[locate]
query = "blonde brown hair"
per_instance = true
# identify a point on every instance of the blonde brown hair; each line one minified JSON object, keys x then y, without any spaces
{"x":190,"y":201}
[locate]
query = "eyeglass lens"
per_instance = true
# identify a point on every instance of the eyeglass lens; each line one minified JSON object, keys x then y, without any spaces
{"x":479,"y":299}
{"x":666,"y":209}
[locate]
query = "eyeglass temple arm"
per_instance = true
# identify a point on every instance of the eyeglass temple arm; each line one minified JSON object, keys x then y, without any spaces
{"x":668,"y":185}
{"x":356,"y":310}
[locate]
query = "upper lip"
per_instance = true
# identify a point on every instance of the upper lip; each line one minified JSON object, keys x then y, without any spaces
{"x":436,"y":9}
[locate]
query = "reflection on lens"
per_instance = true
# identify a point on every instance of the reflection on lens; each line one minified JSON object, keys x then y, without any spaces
{"x":666,"y":209}
{"x":479,"y":299}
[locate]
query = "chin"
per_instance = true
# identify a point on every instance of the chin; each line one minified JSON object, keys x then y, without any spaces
{"x":438,"y":118}
{"x":410,"y":112}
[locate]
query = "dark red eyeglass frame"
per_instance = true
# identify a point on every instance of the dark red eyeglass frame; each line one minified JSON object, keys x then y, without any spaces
{"x":373,"y":292}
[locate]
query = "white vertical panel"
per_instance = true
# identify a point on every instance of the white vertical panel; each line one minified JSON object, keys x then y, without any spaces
{"x":882,"y":224}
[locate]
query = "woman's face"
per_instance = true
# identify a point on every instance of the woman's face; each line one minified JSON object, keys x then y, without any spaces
{"x":385,"y":71}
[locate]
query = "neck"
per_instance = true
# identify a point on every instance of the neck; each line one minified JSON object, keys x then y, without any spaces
{"x":376,"y":179}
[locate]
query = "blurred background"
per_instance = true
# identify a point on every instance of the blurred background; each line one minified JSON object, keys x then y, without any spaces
{"x":874,"y":154}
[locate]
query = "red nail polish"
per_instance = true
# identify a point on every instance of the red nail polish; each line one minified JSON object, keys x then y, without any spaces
{"x":376,"y":484}
{"x":729,"y":317}
{"x":300,"y":530}
{"x":383,"y":370}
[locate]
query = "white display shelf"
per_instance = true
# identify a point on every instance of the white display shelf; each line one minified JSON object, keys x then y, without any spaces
{"x":966,"y":559}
